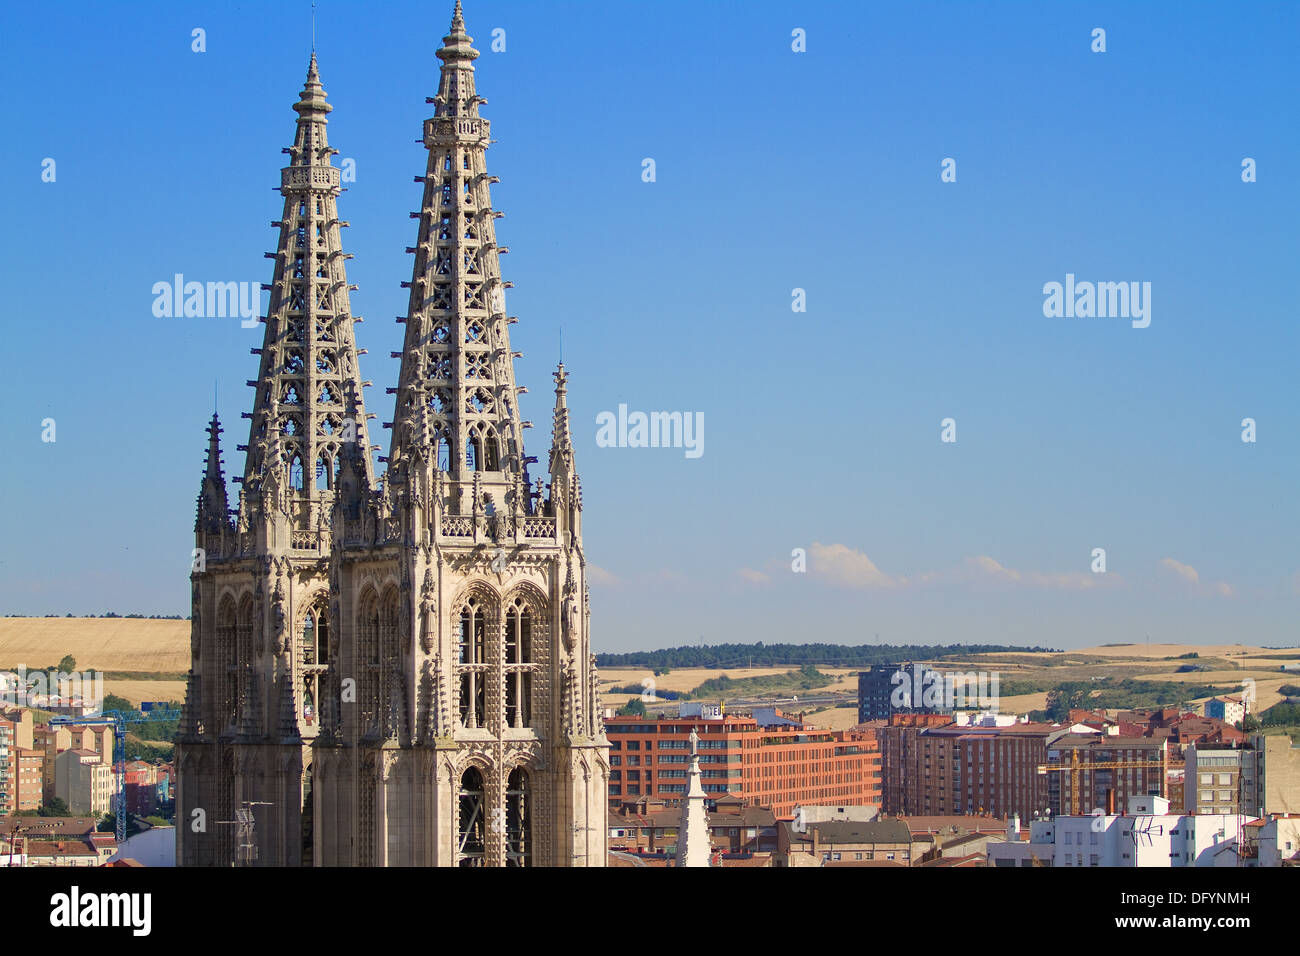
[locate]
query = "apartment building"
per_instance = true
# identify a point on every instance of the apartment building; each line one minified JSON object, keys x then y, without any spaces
{"x":1149,"y":835}
{"x":84,"y":782}
{"x":1258,"y":777}
{"x":54,"y":740}
{"x":648,"y":826}
{"x":1102,"y":785}
{"x":845,"y":841}
{"x":777,"y":762}
{"x":933,"y":766}
{"x":1231,"y":710}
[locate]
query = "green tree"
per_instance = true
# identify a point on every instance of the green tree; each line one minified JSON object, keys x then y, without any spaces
{"x":113,"y":702}
{"x":55,"y":808}
{"x":633,"y":708}
{"x":1249,"y":724}
{"x":68,"y":664}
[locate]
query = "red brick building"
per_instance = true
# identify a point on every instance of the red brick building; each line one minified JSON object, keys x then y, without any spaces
{"x":778,"y":765}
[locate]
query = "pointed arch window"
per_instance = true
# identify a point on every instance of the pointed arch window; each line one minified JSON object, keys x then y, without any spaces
{"x":471,"y":827}
{"x":518,"y":658}
{"x":368,"y":665}
{"x":519,"y":850}
{"x":473,"y":667}
{"x":313,"y":658}
{"x":391,"y":683}
{"x":227,"y":662}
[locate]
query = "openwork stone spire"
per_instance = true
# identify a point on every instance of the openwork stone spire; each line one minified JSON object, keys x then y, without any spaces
{"x":456,"y":393}
{"x":303,"y":416}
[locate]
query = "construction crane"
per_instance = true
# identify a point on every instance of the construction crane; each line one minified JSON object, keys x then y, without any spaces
{"x":118,"y":719}
{"x":1075,"y":766}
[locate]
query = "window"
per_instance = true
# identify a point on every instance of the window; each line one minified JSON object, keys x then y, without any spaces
{"x":518,"y":822}
{"x":472,"y":846}
{"x":519,"y":656}
{"x":472,"y":653}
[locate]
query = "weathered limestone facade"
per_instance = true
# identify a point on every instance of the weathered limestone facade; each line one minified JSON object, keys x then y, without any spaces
{"x":393,"y":673}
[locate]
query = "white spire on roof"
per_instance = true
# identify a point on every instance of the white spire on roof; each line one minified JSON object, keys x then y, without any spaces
{"x":693,"y":833}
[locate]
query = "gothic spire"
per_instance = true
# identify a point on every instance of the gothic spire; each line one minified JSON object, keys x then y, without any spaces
{"x":309,"y":368}
{"x":561,"y":443}
{"x":456,"y":391}
{"x":214,"y":507}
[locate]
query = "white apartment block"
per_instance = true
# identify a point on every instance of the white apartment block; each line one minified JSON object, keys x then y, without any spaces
{"x":1147,"y":836}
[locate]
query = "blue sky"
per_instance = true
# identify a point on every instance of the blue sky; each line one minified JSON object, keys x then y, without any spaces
{"x":775,"y":170}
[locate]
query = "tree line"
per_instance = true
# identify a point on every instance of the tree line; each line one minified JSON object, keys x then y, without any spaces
{"x":796,"y":655}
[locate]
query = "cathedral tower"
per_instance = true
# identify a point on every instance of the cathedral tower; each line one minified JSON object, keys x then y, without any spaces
{"x":425,"y":694}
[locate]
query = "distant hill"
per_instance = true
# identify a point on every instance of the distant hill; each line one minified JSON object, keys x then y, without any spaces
{"x":796,"y":655}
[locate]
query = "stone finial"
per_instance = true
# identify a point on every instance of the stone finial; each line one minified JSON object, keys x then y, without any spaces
{"x":456,"y":44}
{"x":311,"y":102}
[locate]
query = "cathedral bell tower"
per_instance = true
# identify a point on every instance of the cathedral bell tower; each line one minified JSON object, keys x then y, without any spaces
{"x":261,"y":634}
{"x":425,"y":694}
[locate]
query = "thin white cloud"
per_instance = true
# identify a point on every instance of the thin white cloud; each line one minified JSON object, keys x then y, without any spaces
{"x":989,"y":568}
{"x":1190,"y":577}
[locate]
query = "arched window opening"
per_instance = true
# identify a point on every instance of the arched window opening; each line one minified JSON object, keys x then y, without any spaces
{"x":324,"y":474}
{"x":313,"y":657}
{"x":444,"y":453}
{"x":518,"y":675}
{"x":227,"y":661}
{"x":491,"y":455}
{"x":471,"y":453}
{"x":471,"y":825}
{"x":368,"y":665}
{"x":392,"y":691}
{"x":244,"y":632}
{"x":472,"y":657}
{"x":519,"y":850}
{"x":295,"y":473}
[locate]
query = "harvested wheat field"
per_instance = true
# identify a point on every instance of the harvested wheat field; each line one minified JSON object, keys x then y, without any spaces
{"x":837,"y":718}
{"x":137,"y":691}
{"x":110,"y":644}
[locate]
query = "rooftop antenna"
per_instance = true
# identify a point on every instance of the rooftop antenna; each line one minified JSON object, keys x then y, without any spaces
{"x":313,"y":26}
{"x":561,"y":345}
